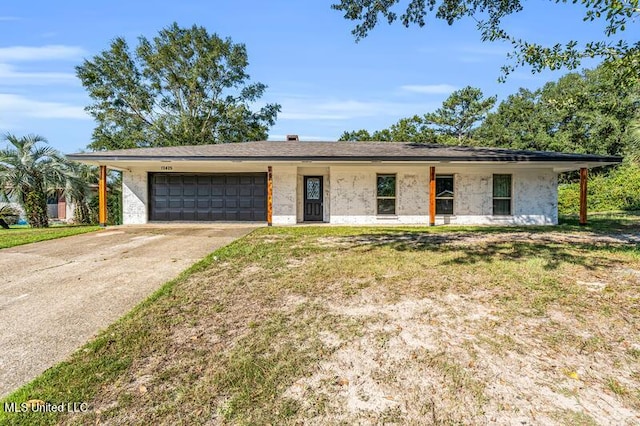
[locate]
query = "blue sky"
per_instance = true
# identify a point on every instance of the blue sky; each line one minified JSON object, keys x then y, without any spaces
{"x":303,"y":50}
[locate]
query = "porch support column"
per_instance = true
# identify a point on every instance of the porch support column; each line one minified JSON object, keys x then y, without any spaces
{"x":432,"y":196}
{"x":583,"y":196}
{"x":269,"y":196}
{"x":102,"y":196}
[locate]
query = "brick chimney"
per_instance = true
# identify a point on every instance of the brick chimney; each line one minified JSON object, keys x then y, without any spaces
{"x":293,"y":138}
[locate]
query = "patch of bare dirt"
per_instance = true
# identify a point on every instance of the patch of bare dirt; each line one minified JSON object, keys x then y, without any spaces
{"x":454,"y":359}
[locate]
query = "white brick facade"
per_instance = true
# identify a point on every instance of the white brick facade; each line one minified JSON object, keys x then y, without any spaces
{"x":349,"y":193}
{"x":134,"y":197}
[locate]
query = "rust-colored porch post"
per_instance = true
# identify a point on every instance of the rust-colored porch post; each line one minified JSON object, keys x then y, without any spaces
{"x":102,"y":196}
{"x":583,"y":196}
{"x":432,"y":196}
{"x":269,"y":196}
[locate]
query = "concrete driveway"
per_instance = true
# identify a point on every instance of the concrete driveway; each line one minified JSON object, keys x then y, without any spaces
{"x":55,"y":295}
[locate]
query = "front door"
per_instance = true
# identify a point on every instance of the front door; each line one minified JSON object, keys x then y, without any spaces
{"x":312,"y":198}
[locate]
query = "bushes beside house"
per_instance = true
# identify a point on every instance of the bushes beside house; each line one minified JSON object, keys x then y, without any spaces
{"x":617,"y":190}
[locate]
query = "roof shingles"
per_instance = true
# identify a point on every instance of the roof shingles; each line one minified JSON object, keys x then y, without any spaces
{"x":336,"y":151}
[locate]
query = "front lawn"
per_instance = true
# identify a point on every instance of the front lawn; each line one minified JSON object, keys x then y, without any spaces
{"x":16,"y":236}
{"x":330,"y":325}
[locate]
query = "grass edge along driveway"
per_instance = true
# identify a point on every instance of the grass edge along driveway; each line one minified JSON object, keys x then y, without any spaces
{"x":18,"y":236}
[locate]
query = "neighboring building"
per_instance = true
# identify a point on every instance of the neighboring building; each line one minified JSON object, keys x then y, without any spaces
{"x":58,"y":209}
{"x":292,"y":182}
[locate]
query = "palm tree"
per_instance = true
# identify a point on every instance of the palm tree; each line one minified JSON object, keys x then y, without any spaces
{"x":78,"y":189}
{"x":28,"y":172}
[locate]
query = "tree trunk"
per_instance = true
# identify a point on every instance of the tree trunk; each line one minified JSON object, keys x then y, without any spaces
{"x":81,"y":213}
{"x":35,"y":206}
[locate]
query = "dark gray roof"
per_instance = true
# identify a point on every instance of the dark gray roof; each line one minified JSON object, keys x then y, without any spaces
{"x":334,"y":151}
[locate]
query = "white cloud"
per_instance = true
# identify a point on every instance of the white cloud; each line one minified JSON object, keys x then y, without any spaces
{"x":429,"y":89}
{"x":10,"y":76}
{"x":39,"y":53}
{"x":16,"y":107}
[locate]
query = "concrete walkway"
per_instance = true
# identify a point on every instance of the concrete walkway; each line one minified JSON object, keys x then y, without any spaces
{"x":55,"y":295}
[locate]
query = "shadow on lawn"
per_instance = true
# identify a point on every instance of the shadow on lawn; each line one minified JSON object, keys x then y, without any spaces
{"x":473,"y":247}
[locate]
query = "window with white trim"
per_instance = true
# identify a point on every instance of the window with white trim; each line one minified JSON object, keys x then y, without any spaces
{"x":386,"y":194}
{"x":444,"y":194}
{"x":502,"y":195}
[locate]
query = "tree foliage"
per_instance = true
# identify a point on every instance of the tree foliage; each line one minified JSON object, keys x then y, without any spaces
{"x":489,"y":16}
{"x":615,"y":191}
{"x":460,"y":113}
{"x":587,"y":112}
{"x":29,"y":170}
{"x":184,"y":87}
{"x":412,"y":129}
{"x":452,"y":124}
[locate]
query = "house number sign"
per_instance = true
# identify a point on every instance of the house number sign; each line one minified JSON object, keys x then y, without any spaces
{"x":166,"y":168}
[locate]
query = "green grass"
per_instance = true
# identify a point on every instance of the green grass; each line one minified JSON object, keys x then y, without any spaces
{"x":226,"y":340}
{"x":16,"y":236}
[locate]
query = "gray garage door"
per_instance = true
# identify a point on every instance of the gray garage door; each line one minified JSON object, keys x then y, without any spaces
{"x":208,"y":197}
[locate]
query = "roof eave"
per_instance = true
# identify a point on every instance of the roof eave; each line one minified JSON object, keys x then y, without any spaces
{"x":447,"y":159}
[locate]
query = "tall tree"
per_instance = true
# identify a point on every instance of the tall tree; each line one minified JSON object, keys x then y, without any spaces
{"x":451,"y":124}
{"x":587,"y":112}
{"x":489,"y":15}
{"x":411,"y":129}
{"x":460,"y":113}
{"x":184,"y":87}
{"x":29,"y":170}
{"x":78,"y":189}
{"x":517,"y":123}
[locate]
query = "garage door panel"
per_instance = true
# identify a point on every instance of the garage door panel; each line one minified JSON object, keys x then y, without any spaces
{"x":218,"y":215}
{"x":189,"y":215}
{"x":161,"y":204}
{"x":161,"y":190}
{"x":207,"y":197}
{"x":204,"y":191}
{"x":175,"y":215}
{"x":189,"y":190}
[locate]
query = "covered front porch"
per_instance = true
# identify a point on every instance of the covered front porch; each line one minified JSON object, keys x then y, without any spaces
{"x":349,"y":194}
